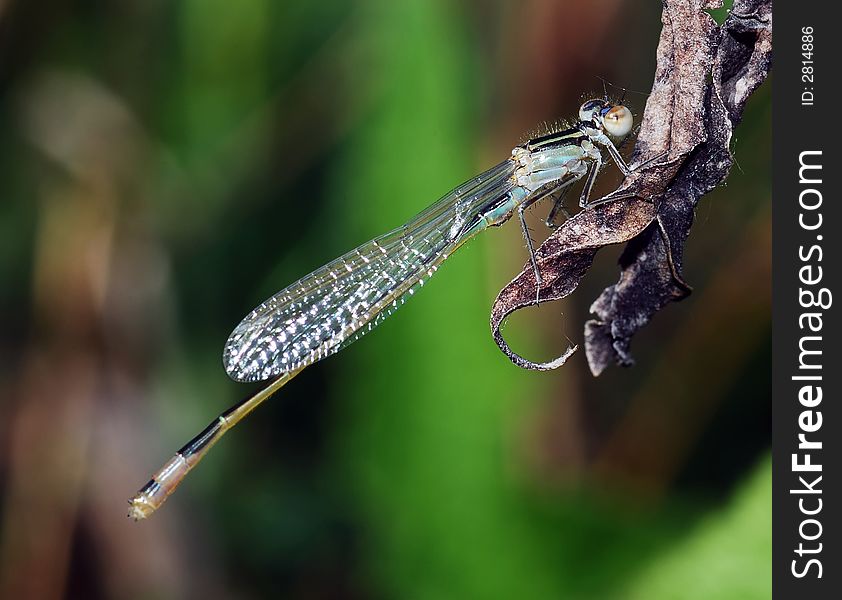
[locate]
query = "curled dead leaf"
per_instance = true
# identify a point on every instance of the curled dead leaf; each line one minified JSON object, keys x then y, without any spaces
{"x":704,"y":75}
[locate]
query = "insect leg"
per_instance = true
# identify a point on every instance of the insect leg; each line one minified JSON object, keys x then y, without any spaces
{"x":529,"y":245}
{"x":558,"y":206}
{"x":589,"y":181}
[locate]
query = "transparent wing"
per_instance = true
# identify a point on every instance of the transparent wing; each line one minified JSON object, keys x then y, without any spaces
{"x":336,"y":304}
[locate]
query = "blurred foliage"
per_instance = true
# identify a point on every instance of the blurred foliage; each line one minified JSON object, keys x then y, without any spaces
{"x":168,"y":165}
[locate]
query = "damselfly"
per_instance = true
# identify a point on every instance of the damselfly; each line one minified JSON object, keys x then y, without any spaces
{"x":332,"y":307}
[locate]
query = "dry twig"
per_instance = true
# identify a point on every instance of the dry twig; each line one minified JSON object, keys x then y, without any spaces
{"x":705,"y":74}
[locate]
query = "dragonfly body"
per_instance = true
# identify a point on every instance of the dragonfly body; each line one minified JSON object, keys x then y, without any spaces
{"x":328,"y":309}
{"x":335,"y":305}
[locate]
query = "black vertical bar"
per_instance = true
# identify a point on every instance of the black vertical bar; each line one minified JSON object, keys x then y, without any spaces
{"x":807,"y":428}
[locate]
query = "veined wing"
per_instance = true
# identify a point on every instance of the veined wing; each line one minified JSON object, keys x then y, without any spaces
{"x":336,"y":304}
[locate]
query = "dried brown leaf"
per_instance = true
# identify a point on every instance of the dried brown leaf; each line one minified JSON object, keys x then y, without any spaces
{"x":704,"y":75}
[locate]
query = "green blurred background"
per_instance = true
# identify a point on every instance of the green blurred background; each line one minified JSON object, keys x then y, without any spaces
{"x":165,"y":166}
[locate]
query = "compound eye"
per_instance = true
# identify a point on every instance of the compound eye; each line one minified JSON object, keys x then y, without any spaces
{"x":618,"y":121}
{"x":587,"y":110}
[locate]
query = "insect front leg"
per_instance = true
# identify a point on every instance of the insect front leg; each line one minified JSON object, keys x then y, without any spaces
{"x":618,"y":159}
